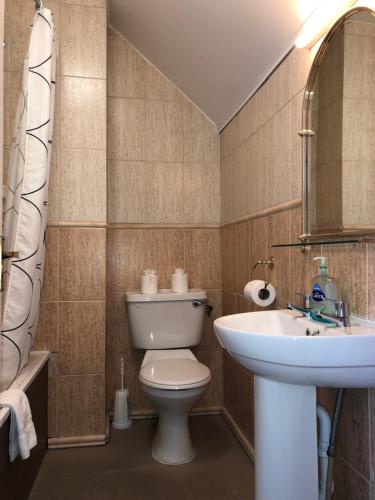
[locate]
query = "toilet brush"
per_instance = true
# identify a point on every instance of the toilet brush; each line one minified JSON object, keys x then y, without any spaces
{"x":121,"y":419}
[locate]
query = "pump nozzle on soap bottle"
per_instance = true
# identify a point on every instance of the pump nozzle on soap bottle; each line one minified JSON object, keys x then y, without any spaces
{"x":323,"y":287}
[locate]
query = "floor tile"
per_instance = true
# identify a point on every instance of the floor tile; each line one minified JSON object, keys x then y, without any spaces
{"x":124,"y":468}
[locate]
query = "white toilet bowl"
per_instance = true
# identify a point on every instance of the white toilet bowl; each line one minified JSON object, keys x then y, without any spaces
{"x":174,"y":380}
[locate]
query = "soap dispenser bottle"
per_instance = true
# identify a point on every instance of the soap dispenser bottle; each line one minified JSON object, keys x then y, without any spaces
{"x":323,"y":287}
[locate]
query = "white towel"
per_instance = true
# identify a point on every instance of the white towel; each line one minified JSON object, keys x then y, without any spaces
{"x":22,"y":435}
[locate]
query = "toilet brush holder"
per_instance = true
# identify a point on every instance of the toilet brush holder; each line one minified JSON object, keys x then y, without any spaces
{"x":121,"y":419}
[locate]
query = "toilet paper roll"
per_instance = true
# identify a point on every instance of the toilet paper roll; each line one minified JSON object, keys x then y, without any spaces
{"x":180,"y":283}
{"x":259,"y":294}
{"x":149,"y":284}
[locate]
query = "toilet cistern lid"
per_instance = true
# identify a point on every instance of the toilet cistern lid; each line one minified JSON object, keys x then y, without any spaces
{"x":175,"y":374}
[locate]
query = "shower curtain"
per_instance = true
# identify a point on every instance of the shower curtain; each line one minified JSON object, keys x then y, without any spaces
{"x":25,"y":211}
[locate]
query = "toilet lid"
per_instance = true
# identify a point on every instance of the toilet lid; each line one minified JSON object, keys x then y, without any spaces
{"x":175,"y":374}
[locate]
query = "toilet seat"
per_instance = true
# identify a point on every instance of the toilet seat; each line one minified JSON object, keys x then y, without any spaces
{"x":174,"y":374}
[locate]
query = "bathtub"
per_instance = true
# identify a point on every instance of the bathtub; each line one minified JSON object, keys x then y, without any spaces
{"x":25,"y":378}
{"x":33,"y":379}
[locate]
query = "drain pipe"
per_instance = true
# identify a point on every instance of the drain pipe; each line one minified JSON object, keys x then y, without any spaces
{"x":323,"y":445}
{"x":331,"y":452}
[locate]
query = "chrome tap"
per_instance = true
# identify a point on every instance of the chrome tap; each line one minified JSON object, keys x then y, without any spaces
{"x":341,"y":316}
{"x":307,"y":301}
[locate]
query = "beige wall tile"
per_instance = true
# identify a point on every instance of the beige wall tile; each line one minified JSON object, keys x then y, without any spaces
{"x":300,"y":61}
{"x":371,"y":281}
{"x":214,"y":393}
{"x":201,"y":193}
{"x":259,"y":244}
{"x":158,"y":86}
{"x":348,"y":264}
{"x":228,"y":257}
{"x":230,"y":369}
{"x":353,"y":440}
{"x":82,"y":185}
{"x":82,"y":113}
{"x":6,"y":109}
{"x":126,"y":124}
{"x":241,"y":172}
{"x":83,"y":51}
{"x":202,"y":258}
{"x":258,"y":157}
{"x":52,"y":395}
{"x":7,"y":27}
{"x":82,"y":264}
{"x":278,"y":232}
{"x":209,"y":340}
{"x":279,"y":157}
{"x":227,"y":188}
{"x":259,"y":108}
{"x":117,"y":328}
{"x":126,"y":69}
{"x":22,"y":14}
{"x":128,"y":254}
{"x":81,"y":338}
{"x":227,"y":140}
{"x":145,"y":192}
{"x":81,"y":405}
{"x":358,"y":128}
{"x":167,"y":253}
{"x":241,"y":125}
{"x":201,"y":137}
{"x":53,"y":193}
{"x":51,"y":269}
{"x":163,"y":133}
{"x":46,"y":335}
{"x":245,"y":399}
{"x":131,"y":251}
{"x":349,"y":483}
{"x":279,"y":87}
{"x":358,"y":180}
{"x":242,"y":256}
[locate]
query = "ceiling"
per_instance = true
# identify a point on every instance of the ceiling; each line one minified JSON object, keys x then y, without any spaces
{"x":216,"y":52}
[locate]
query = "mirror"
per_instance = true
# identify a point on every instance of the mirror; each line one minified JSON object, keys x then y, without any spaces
{"x":339,"y":131}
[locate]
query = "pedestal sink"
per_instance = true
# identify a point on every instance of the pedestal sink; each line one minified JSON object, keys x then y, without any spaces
{"x":288,"y":366}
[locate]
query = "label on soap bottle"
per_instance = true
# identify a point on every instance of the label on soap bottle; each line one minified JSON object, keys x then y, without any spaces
{"x":318,"y":295}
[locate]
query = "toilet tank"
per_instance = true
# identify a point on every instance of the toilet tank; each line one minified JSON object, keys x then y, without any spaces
{"x":165,"y":320}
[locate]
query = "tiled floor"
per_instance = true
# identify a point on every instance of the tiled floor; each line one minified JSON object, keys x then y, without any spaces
{"x":125,"y":470}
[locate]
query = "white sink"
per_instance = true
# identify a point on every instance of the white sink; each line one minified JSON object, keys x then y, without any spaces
{"x":288,"y":366}
{"x":273,"y":344}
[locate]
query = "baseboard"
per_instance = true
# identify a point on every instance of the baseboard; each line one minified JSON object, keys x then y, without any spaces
{"x":77,"y":441}
{"x":239,"y":434}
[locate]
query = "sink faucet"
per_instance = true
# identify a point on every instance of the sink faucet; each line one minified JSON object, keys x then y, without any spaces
{"x":307,"y":301}
{"x":341,"y":316}
{"x":339,"y":319}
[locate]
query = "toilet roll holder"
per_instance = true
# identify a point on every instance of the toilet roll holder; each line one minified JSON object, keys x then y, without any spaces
{"x":264,"y":294}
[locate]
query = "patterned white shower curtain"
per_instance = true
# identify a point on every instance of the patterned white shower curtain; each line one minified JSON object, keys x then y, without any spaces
{"x":25,"y":214}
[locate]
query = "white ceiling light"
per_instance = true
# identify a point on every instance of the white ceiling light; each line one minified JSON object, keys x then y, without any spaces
{"x":321,"y":20}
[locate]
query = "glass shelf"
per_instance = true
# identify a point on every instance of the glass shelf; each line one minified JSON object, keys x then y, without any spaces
{"x":303,"y":244}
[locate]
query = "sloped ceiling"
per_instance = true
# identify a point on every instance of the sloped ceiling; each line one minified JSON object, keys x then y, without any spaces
{"x":216,"y":52}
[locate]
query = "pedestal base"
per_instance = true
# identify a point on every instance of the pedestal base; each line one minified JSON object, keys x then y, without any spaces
{"x":286,"y":460}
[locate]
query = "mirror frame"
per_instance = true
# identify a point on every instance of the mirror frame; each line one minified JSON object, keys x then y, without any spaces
{"x":306,"y":236}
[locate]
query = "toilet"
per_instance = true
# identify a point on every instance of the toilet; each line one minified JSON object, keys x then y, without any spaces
{"x":166,"y":324}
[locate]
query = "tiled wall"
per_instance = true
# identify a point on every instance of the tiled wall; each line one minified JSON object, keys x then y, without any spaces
{"x":72,"y":319}
{"x":266,"y":128}
{"x":163,"y":207}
